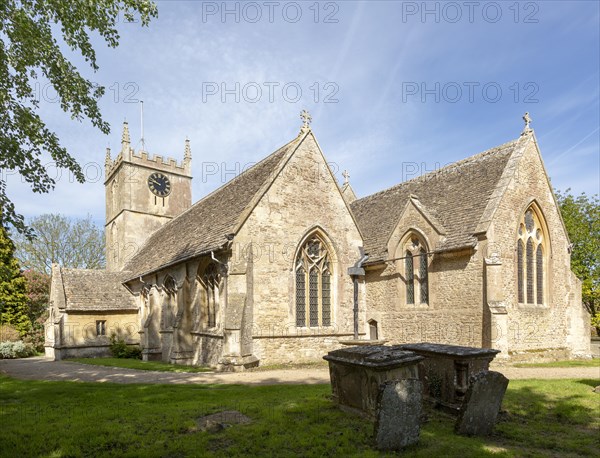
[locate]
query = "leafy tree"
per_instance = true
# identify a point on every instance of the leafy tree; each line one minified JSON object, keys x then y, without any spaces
{"x":38,"y":294}
{"x":582,"y":219}
{"x":38,"y":298}
{"x":30,"y":31}
{"x":13,"y":300}
{"x":76,"y":244}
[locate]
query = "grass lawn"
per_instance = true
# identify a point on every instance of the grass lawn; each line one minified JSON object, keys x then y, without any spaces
{"x":60,"y":419}
{"x":139,"y":364}
{"x":570,"y":363}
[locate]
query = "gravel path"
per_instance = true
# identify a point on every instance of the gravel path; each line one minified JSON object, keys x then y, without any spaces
{"x":44,"y":369}
{"x":515,"y":373}
{"x":40,"y":368}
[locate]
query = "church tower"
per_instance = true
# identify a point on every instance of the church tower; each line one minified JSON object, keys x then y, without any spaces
{"x":142,"y":194}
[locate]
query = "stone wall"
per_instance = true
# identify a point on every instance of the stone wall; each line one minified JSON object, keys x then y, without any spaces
{"x":304,"y":198}
{"x":455,"y":319}
{"x":293,"y":350}
{"x":559,"y":326}
{"x":453,"y":314}
{"x":76,"y":336}
{"x":207,"y":349}
{"x":176,"y":326}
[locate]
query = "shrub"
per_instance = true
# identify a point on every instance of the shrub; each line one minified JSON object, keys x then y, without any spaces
{"x":596,"y":322}
{"x":120,"y":349}
{"x":10,"y":350}
{"x":8,"y":333}
{"x":36,"y":335}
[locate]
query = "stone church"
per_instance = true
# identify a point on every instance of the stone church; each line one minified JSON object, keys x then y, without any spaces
{"x":283,"y":263}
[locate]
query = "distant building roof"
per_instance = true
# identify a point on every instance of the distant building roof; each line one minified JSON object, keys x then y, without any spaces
{"x":89,"y":290}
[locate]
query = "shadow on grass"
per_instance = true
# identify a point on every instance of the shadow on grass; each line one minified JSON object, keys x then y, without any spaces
{"x":551,"y":417}
{"x":541,"y":417}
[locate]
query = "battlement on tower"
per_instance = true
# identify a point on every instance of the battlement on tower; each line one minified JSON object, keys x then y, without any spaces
{"x":143,"y":158}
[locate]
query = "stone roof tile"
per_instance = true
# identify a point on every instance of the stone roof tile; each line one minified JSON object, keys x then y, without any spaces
{"x":456,"y":194}
{"x":204,"y":226}
{"x":96,"y":290}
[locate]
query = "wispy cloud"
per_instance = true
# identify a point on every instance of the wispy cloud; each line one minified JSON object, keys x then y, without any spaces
{"x":371,"y":128}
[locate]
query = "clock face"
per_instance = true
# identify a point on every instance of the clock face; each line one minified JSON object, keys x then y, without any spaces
{"x":159,"y":184}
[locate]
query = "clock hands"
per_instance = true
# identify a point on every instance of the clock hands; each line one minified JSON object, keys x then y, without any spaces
{"x":159,"y":184}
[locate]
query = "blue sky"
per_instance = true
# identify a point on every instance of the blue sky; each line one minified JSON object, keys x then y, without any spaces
{"x":394,"y":89}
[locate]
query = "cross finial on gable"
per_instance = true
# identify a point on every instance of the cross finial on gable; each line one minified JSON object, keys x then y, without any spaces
{"x":527,"y":120}
{"x":306,"y":119}
{"x":346,"y":175}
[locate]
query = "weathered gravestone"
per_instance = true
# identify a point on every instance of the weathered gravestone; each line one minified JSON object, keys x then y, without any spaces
{"x":479,"y":411}
{"x":398,"y":414}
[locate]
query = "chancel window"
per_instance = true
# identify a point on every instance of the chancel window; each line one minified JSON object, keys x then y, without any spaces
{"x":211,"y":281}
{"x":416,"y":271}
{"x":313,"y":284}
{"x":531,"y":262}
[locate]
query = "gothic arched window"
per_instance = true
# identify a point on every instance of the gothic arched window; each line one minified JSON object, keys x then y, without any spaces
{"x":115,"y":196}
{"x":409,"y":269}
{"x":416,"y":271}
{"x":169,"y":303}
{"x":211,"y":281}
{"x":313,"y":284}
{"x":146,"y":311}
{"x":531,"y":249}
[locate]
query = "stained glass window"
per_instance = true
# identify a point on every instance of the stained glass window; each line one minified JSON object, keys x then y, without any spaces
{"x":313,"y":290}
{"x":300,"y":296}
{"x":410,"y":278}
{"x":326,"y":288}
{"x":313,"y":282}
{"x":530,"y":259}
{"x":424,"y":277}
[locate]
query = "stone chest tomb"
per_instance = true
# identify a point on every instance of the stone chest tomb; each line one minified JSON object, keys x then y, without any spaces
{"x":358,"y":372}
{"x":446,"y":369}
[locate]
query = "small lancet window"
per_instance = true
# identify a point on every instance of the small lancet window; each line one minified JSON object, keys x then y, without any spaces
{"x":313,"y":284}
{"x":416,"y":271}
{"x":211,"y":280}
{"x":424,"y":277}
{"x":410,"y":278}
